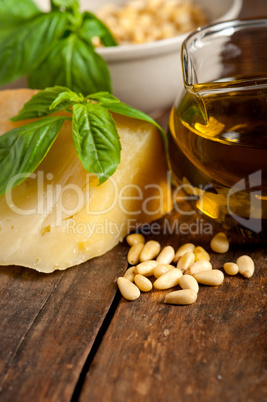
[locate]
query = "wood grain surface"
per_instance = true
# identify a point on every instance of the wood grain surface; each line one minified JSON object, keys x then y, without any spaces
{"x":68,"y":336}
{"x":213,"y":350}
{"x":48,"y":324}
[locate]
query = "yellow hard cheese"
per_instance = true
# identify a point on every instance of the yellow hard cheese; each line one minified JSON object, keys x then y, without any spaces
{"x":59,"y":217}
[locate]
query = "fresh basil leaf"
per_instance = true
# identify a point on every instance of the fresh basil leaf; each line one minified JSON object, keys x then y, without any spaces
{"x":13,"y":12}
{"x":93,"y":27}
{"x":103,"y":97}
{"x":74,"y":64}
{"x":22,"y":150}
{"x":39,"y":104}
{"x":25,"y":47}
{"x":96,"y":140}
{"x":68,"y":97}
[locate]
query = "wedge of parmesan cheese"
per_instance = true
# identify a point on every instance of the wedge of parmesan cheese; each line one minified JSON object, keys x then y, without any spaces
{"x":59,"y":217}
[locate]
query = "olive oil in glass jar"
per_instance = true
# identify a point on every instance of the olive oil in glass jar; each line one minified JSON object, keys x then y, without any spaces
{"x":218,"y":125}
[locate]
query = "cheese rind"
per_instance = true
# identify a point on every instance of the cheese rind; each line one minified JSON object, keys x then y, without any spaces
{"x":59,"y":217}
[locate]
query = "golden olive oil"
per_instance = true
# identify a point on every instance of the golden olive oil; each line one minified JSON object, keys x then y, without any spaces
{"x":218,"y":150}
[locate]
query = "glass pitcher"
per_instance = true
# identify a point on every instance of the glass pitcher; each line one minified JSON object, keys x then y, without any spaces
{"x":218,"y":125}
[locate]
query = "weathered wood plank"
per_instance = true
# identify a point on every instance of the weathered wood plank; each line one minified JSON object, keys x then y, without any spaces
{"x":48,"y":324}
{"x":210,"y":351}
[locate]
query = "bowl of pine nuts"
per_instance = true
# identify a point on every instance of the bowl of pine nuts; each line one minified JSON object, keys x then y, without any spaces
{"x":145,"y":67}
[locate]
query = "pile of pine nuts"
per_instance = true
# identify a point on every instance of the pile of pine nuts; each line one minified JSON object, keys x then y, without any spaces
{"x":192,"y":267}
{"x":140,"y":21}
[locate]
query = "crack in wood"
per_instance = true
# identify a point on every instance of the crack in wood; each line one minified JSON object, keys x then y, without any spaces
{"x":99,"y":337}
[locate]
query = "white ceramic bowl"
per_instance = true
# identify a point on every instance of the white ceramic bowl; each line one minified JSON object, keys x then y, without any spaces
{"x":148,"y":76}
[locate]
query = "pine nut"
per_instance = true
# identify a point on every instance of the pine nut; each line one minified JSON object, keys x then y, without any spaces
{"x":146,"y":268}
{"x":150,"y":250}
{"x":201,"y":254}
{"x":231,"y":268}
{"x":166,"y":255}
{"x":186,"y":296}
{"x":211,"y":278}
{"x":161,"y":269}
{"x":133,"y":256}
{"x":188,"y":282}
{"x":142,"y":283}
{"x":169,"y":279}
{"x":220,"y":243}
{"x":129,"y":274}
{"x":186,"y":261}
{"x":128,"y":289}
{"x":182,"y":250}
{"x":135,"y":238}
{"x":198,"y":266}
{"x":245,"y":266}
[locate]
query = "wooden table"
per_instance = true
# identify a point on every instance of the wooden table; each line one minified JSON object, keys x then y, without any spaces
{"x":69,"y":336}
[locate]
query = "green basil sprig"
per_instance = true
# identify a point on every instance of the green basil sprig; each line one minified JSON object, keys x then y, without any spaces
{"x":54,"y":48}
{"x":94,"y":131}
